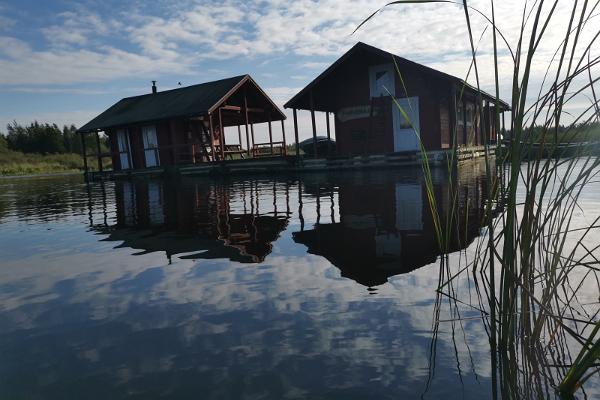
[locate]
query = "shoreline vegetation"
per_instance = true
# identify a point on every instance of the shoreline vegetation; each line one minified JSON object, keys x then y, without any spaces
{"x":42,"y":149}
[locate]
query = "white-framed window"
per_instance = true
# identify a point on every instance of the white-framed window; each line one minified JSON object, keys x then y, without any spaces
{"x":381,"y":80}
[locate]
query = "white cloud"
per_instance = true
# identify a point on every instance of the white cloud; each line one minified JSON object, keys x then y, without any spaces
{"x":186,"y":37}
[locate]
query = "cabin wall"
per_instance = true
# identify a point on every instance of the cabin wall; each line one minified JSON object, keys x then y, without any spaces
{"x":358,"y":131}
{"x":114,"y":149}
{"x":362,"y":131}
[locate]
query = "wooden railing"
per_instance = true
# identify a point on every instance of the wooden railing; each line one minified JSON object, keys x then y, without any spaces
{"x":198,"y":152}
{"x":268,"y":149}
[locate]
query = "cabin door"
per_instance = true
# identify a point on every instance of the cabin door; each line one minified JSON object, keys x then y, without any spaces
{"x":406,"y":131}
{"x":123,"y":144}
{"x":150,"y":146}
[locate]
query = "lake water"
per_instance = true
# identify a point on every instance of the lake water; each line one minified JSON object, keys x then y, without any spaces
{"x":320,"y":286}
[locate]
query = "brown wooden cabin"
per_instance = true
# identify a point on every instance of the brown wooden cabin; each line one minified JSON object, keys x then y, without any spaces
{"x":185,"y":125}
{"x":360,"y":88}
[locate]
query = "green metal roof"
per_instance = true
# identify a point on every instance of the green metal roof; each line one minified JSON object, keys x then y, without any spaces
{"x":182,"y":102}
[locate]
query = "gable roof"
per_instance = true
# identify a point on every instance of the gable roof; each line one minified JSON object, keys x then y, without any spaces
{"x":190,"y":101}
{"x":363,"y":46}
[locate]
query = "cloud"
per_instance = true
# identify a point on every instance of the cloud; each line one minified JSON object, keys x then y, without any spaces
{"x":87,"y":44}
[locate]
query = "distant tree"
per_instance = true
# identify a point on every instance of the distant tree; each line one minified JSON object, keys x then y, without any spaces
{"x":35,"y":138}
{"x":3,"y":142}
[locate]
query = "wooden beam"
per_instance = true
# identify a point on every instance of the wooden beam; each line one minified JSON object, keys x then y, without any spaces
{"x":270,"y":133}
{"x":296,"y":133}
{"x":240,"y":136}
{"x":231,"y":108}
{"x":222,"y":135}
{"x":328,"y":130}
{"x":314,"y":125}
{"x":464,"y":109}
{"x":84,"y":155}
{"x":246,"y":123}
{"x":284,"y":150}
{"x":212,"y":138}
{"x":252,"y":132}
{"x":98,"y":152}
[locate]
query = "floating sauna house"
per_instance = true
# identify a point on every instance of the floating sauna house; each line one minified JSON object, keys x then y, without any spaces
{"x":365,"y":90}
{"x":386,"y":110}
{"x":186,"y":125}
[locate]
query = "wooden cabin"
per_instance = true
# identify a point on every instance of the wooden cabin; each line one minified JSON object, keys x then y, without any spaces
{"x":365,"y":90}
{"x":186,"y":125}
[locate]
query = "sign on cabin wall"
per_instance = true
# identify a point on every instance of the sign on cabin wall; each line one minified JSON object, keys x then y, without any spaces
{"x":357,"y":112}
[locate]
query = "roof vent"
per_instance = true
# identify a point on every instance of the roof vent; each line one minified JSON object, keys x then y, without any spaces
{"x":153,"y":87}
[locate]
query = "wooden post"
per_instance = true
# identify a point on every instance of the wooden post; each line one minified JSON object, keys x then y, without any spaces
{"x":252,"y":132}
{"x":453,"y":119}
{"x":284,"y":150}
{"x":296,"y":134}
{"x":464,"y":108}
{"x":240,"y":136}
{"x":328,"y":131}
{"x":314,"y":125}
{"x":212,"y":138}
{"x":246,"y":123}
{"x":98,"y":154}
{"x":222,"y":135}
{"x":270,"y":133}
{"x":84,"y":155}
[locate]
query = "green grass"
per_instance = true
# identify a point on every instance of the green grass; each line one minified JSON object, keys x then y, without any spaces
{"x":17,"y":163}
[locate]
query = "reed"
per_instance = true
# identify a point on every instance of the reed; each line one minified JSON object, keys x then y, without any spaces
{"x":534,"y":260}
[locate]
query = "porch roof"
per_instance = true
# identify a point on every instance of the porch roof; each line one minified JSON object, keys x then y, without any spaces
{"x":186,"y":102}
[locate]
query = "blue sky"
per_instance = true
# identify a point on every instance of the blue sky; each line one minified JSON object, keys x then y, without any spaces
{"x":65,"y":61}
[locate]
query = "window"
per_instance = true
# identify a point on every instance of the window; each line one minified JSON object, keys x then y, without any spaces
{"x":381,"y":80}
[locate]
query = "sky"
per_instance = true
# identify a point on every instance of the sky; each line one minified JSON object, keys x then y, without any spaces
{"x":65,"y":62}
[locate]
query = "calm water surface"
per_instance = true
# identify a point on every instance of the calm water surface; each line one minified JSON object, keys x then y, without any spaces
{"x":319,"y":287}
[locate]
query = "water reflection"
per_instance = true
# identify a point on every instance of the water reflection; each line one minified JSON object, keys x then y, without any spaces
{"x":229,"y":289}
{"x":370,"y":226}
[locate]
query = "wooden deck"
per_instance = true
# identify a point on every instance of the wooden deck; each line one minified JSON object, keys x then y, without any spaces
{"x":292,"y":164}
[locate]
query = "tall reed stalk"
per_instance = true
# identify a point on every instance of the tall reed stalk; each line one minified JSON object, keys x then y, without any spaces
{"x":534,"y":260}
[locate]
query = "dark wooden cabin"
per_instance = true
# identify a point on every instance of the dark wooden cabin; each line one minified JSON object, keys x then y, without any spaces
{"x":364,"y":89}
{"x":186,"y":125}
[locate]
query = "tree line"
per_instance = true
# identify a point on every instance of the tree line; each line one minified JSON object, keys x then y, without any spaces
{"x":45,"y":139}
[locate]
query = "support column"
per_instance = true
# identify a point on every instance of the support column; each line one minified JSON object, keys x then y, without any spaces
{"x":98,"y":153}
{"x":464,"y":107}
{"x":246,"y":123}
{"x":284,"y":150}
{"x":252,"y":133}
{"x":453,"y":120}
{"x":296,"y":133}
{"x":240,"y":136}
{"x":84,"y":156}
{"x":212,"y":138}
{"x":314,"y":125}
{"x":328,"y":131}
{"x":222,"y":135}
{"x":270,"y":133}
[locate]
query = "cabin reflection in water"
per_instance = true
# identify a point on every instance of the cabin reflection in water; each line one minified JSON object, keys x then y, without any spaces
{"x":369,"y":225}
{"x":195,"y":221}
{"x":386,"y":226}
